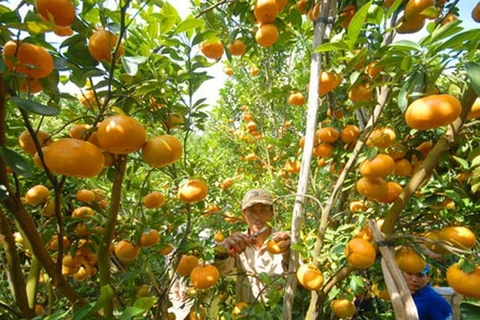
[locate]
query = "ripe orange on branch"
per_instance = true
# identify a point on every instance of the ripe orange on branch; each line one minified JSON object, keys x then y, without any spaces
{"x":237,"y":47}
{"x":409,"y":260}
{"x":343,"y":308}
{"x":458,"y":236}
{"x":267,"y":35}
{"x":154,"y":200}
{"x":72,"y":157}
{"x":62,"y":11}
{"x":379,"y":167}
{"x":193,"y":190}
{"x":30,"y":59}
{"x":36,"y":195}
{"x":276,"y":247}
{"x":186,"y":265}
{"x":162,"y":150}
{"x":296,"y":99}
{"x":310,"y":277}
{"x":349,"y":133}
{"x":212,"y":50}
{"x":126,"y":251}
{"x":25,"y":141}
{"x":121,"y":134}
{"x":328,"y":81}
{"x":149,"y":237}
{"x":265,"y":11}
{"x":465,"y":283}
{"x":327,"y":134}
{"x":360,"y":253}
{"x":204,"y":276}
{"x":382,"y":137}
{"x":372,"y":187}
{"x":433,"y":111}
{"x":101,"y":44}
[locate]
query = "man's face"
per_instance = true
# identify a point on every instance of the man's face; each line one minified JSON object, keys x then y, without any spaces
{"x":258,"y":215}
{"x":416,"y":281}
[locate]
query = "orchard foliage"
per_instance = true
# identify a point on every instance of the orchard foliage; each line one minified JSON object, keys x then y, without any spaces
{"x":159,"y":172}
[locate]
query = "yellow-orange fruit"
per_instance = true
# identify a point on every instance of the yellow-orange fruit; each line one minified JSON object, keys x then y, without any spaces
{"x":310,"y":277}
{"x":154,"y":200}
{"x":415,"y":7}
{"x":432,"y":111}
{"x":212,"y":50}
{"x":126,"y":251}
{"x":382,"y":137}
{"x":25,"y":141}
{"x":410,"y":261}
{"x":62,"y":11}
{"x":412,"y":25}
{"x":186,"y":264}
{"x":237,"y":48}
{"x":465,"y":283}
{"x":36,"y":195}
{"x":360,"y":253}
{"x":343,"y":308}
{"x":265,"y":11}
{"x":296,"y":99}
{"x":327,"y":134}
{"x":372,"y":187}
{"x":30,"y":59}
{"x":72,"y":157}
{"x":266,"y":35}
{"x":82,"y":212}
{"x":393,"y":191}
{"x":328,"y":81}
{"x":149,"y":238}
{"x":193,"y":190}
{"x":476,"y":13}
{"x":85,"y":195}
{"x":459,"y":236}
{"x":204,"y":276}
{"x":349,"y":133}
{"x":475,"y":110}
{"x":276,"y":247}
{"x":162,"y":150}
{"x":403,"y":168}
{"x":121,"y":134}
{"x":379,"y":167}
{"x":101,"y":44}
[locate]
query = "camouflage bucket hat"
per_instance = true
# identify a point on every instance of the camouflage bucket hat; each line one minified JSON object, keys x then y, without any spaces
{"x":255,"y":196}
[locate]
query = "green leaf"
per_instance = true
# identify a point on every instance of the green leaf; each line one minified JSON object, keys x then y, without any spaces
{"x":145,"y":302}
{"x":131,"y":64}
{"x":462,"y":162}
{"x":15,"y":161}
{"x":189,"y":24}
{"x":356,"y":25}
{"x":473,"y":72}
{"x":35,"y":107}
{"x":332,"y":46}
{"x":406,"y":45}
{"x":131,"y":312}
{"x":475,"y":162}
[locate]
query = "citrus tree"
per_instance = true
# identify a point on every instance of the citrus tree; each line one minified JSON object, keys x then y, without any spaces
{"x":105,"y":147}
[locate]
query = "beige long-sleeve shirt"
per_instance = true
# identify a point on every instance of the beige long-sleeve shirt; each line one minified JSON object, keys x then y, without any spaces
{"x":249,"y":265}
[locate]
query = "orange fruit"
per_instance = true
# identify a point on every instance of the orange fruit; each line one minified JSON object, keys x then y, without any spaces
{"x":310,"y":277}
{"x":193,"y":190}
{"x":360,"y":253}
{"x":379,"y":167}
{"x":228,"y":71}
{"x":82,"y":212}
{"x":63,"y":31}
{"x":126,"y":251}
{"x":393,"y":191}
{"x":361,"y":92}
{"x":36,"y":195}
{"x":459,"y":236}
{"x":313,"y":12}
{"x":186,"y":264}
{"x":162,"y":150}
{"x":121,"y":134}
{"x":476,"y":13}
{"x":26,"y":58}
{"x":101,"y":44}
{"x":254,"y":71}
{"x":212,"y":49}
{"x":62,"y":11}
{"x":410,"y":261}
{"x":324,"y":150}
{"x":89,"y":99}
{"x":265,"y":11}
{"x":302,"y":6}
{"x":403,"y":168}
{"x":198,"y":313}
{"x":357,"y":206}
{"x":251,"y":126}
{"x":412,"y":25}
{"x":266,"y":35}
{"x":165,"y":250}
{"x":39,"y":309}
{"x":343,"y":308}
{"x":347,"y":14}
{"x":373,"y":70}
{"x":204,"y":276}
{"x":149,"y":237}
{"x":72,"y":157}
{"x":296,"y":99}
{"x":349,"y":133}
{"x":389,"y":3}
{"x":281,"y":4}
{"x":396,"y":151}
{"x":154,"y":200}
{"x":328,"y":81}
{"x":382,"y":137}
{"x":239,"y":307}
{"x":327,"y":134}
{"x":48,"y":209}
{"x":275,"y":247}
{"x":424,"y":148}
{"x":85,"y":195}
{"x":374,"y":188}
{"x":31,"y":86}
{"x":382,"y":294}
{"x":79,"y":131}
{"x":53,"y":243}
{"x":433,"y":111}
{"x":227,"y":183}
{"x":237,"y":47}
{"x":292,"y":166}
{"x":465,"y":283}
{"x":475,"y":110}
{"x":415,"y":7}
{"x":451,"y":17}
{"x":25,"y":141}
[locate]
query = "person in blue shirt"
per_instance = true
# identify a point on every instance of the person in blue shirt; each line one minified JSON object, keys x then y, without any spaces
{"x":430,"y":305}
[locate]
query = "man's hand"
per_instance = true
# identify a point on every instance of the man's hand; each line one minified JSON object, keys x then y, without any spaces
{"x":236,"y":243}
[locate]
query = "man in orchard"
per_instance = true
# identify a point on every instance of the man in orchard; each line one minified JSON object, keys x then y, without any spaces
{"x":248,"y":251}
{"x":430,"y":305}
